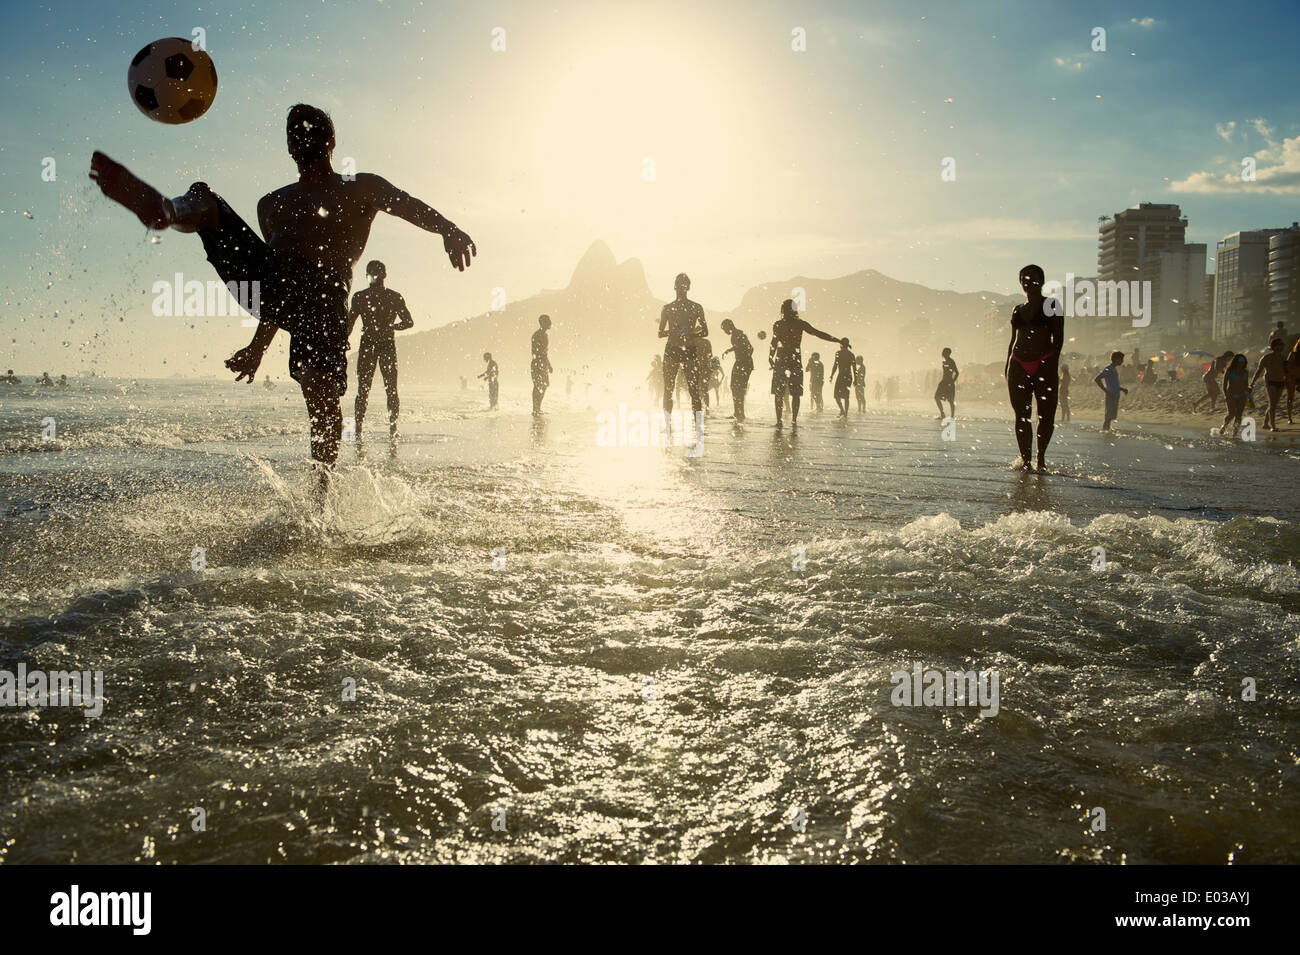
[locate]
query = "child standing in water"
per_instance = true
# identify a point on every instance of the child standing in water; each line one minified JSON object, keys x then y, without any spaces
{"x":860,"y":384}
{"x":1108,"y":381}
{"x":1236,"y":389}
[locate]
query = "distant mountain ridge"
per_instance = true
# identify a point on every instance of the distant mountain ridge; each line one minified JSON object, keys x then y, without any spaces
{"x":606,"y":319}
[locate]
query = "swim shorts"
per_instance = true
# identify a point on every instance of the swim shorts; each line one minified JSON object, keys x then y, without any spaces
{"x":787,"y":376}
{"x":307,"y":301}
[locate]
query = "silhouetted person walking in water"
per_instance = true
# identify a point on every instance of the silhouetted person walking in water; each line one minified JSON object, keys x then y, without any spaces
{"x":842,"y":377}
{"x":382,"y":312}
{"x":1033,"y":356}
{"x":541,"y":364}
{"x":682,"y":322}
{"x":315,"y":229}
{"x":655,"y":380}
{"x":785,"y":357}
{"x":1211,"y":381}
{"x":1273,"y":369}
{"x":490,"y":374}
{"x":741,"y":368}
{"x":860,"y":384}
{"x":947,"y":390}
{"x":816,"y":379}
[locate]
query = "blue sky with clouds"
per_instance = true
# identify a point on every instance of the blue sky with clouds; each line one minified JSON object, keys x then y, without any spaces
{"x":770,"y":162}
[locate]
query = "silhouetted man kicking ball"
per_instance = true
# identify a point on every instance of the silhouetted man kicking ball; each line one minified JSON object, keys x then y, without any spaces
{"x":315,"y":229}
{"x":786,"y":358}
{"x":541,"y":363}
{"x":382,"y":312}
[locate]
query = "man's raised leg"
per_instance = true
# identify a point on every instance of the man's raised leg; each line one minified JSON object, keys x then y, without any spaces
{"x":188,"y":213}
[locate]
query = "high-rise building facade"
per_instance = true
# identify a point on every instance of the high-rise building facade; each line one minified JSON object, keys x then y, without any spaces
{"x":1179,"y":308}
{"x":1284,"y":278}
{"x":1241,"y":287}
{"x":1128,"y":250}
{"x":1132,"y":238}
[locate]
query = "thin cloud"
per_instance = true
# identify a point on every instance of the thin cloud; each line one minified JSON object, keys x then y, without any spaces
{"x":1263,"y":128}
{"x":1146,"y":23}
{"x":1277,"y":171}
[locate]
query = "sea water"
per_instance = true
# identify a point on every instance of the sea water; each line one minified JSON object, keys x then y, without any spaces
{"x":514,"y":643}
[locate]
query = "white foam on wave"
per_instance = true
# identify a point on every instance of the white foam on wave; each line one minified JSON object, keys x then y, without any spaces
{"x":362,"y":507}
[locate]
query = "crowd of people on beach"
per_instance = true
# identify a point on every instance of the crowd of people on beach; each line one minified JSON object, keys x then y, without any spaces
{"x":1279,"y":368}
{"x":1226,"y":376}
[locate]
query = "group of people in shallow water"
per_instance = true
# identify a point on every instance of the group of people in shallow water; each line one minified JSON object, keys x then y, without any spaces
{"x":1279,"y":369}
{"x":688,"y":362}
{"x":539,"y":368}
{"x":45,"y":381}
{"x":315,"y":230}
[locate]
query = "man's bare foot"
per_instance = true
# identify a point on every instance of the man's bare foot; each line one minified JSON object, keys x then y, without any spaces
{"x":119,"y":184}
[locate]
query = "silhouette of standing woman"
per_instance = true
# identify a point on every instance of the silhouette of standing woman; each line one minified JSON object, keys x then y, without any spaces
{"x":1033,"y":357}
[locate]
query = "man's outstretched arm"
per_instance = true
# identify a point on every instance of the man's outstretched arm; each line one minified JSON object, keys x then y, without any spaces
{"x":388,"y":198}
{"x":824,"y":336}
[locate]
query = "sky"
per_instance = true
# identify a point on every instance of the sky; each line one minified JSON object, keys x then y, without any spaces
{"x":769,"y":161}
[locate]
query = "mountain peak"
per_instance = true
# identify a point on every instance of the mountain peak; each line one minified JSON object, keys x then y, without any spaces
{"x":595,"y":265}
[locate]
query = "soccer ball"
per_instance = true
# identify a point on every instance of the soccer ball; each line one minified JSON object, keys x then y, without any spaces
{"x":762,"y":335}
{"x":172,"y":82}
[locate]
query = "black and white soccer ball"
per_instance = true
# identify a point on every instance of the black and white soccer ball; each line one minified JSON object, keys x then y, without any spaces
{"x":171,"y":81}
